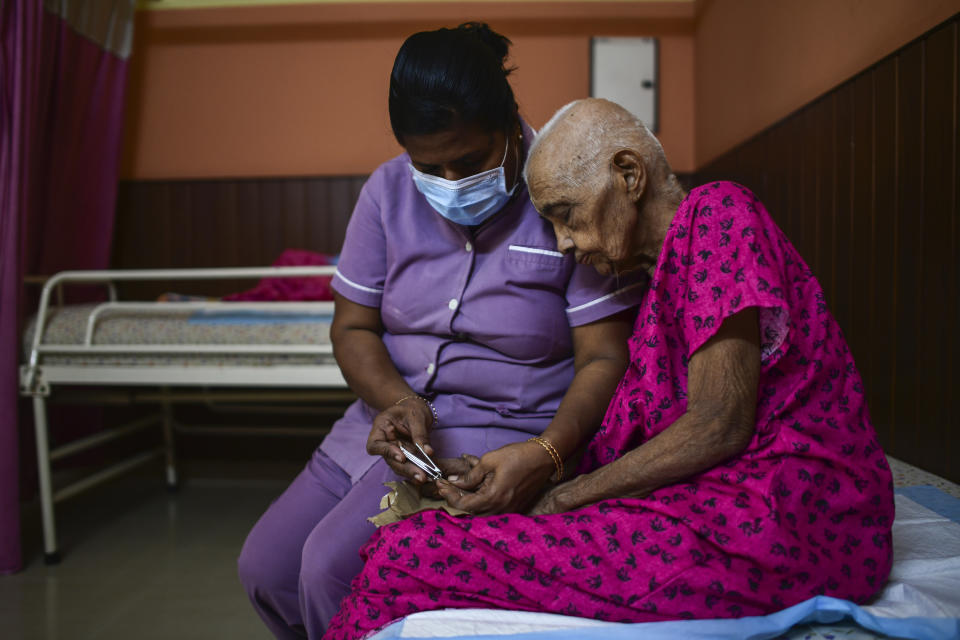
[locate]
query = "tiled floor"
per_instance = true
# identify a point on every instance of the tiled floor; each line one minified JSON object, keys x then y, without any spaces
{"x":141,"y":563}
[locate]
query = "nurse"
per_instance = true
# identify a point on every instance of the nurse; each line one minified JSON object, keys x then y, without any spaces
{"x":458,"y":324}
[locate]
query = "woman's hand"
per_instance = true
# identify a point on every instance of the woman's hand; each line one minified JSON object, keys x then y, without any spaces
{"x":504,"y":480}
{"x":558,"y":499}
{"x":456,"y":468}
{"x":449,"y":467}
{"x":406,"y":422}
{"x":579,"y":492}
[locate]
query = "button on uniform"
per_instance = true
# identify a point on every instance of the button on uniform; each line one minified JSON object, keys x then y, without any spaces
{"x":468,"y":247}
{"x":453,"y":304}
{"x":431,"y":368}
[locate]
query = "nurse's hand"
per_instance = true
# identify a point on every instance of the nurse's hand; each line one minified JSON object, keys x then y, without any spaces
{"x":505,"y":480}
{"x":408,"y":422}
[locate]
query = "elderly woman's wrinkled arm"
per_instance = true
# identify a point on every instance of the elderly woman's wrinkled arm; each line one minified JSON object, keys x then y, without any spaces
{"x":509,"y":479}
{"x":718,"y":424}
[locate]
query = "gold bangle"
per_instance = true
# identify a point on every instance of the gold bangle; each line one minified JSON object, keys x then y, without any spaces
{"x":433,"y":409}
{"x":552,"y":451}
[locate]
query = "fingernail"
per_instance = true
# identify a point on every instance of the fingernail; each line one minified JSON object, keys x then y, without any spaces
{"x":453,"y":478}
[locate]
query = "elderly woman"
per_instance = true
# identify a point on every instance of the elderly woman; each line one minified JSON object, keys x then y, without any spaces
{"x":458,"y":325}
{"x":736,"y":471}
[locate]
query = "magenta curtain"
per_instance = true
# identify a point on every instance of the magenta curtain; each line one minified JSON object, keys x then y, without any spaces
{"x":63,"y":78}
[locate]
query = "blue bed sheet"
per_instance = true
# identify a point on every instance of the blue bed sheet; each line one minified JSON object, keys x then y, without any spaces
{"x":240,"y":317}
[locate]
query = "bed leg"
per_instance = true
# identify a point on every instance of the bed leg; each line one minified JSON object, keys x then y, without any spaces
{"x":50,"y":553}
{"x":167,"y":411}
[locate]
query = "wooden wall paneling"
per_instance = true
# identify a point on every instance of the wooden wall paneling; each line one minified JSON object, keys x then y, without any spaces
{"x":226,"y":223}
{"x":161,"y":228}
{"x":883,"y":319}
{"x":715,"y":171}
{"x":141,"y":232}
{"x":329,"y":208}
{"x":936,"y":324}
{"x":208,"y":224}
{"x":248,"y":216}
{"x":793,"y":179}
{"x":342,"y":199}
{"x":808,"y":196}
{"x":315,"y":225}
{"x":704,"y":177}
{"x":825,"y":204}
{"x":333,"y":200}
{"x":951,"y":449}
{"x":126,"y":201}
{"x":295,"y":213}
{"x":187,"y":246}
{"x":843,"y":219}
{"x":908,"y":432}
{"x":271,"y":218}
{"x":228,"y":226}
{"x":779,"y":153}
{"x":180,"y":236}
{"x":771,"y":179}
{"x":735,"y":164}
{"x":730,"y":166}
{"x":743,"y":166}
{"x":753,"y":167}
{"x":862,"y":243}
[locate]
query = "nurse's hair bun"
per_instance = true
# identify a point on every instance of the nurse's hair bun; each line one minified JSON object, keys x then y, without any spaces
{"x":452,"y":77}
{"x":498,"y":44}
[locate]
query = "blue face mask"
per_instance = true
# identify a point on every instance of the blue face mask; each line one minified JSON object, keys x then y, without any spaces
{"x":468,"y":201}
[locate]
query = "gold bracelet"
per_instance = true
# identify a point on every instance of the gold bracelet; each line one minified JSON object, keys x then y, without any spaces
{"x":552,"y":451}
{"x":433,"y":409}
{"x":412,"y":395}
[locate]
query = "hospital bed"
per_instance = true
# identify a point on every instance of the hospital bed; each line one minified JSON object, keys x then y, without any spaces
{"x":171,"y":352}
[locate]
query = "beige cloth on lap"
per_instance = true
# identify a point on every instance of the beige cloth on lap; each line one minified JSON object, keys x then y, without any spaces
{"x":404,"y":500}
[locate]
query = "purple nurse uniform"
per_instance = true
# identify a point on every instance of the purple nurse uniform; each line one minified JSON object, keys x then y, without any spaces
{"x":478,"y":320}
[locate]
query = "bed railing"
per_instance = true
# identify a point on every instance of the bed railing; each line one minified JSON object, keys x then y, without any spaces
{"x":30,"y":382}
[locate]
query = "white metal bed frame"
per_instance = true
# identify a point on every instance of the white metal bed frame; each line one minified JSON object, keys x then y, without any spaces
{"x":37,"y":378}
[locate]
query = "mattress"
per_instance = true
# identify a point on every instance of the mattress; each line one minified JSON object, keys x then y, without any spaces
{"x":296,"y":326}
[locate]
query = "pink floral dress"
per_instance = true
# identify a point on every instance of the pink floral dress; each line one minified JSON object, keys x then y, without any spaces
{"x":805,"y":510}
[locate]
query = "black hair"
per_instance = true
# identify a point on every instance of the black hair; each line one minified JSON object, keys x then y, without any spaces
{"x":448,"y":77}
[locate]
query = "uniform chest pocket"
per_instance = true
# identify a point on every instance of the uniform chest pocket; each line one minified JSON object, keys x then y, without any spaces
{"x":535,"y":257}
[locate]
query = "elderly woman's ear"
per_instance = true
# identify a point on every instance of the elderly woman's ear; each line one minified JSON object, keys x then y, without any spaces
{"x":630,"y":172}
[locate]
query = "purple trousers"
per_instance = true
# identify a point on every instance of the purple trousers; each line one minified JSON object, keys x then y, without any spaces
{"x":300,"y":557}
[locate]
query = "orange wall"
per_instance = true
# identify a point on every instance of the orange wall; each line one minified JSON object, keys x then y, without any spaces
{"x":302,"y":90}
{"x":759,"y":60}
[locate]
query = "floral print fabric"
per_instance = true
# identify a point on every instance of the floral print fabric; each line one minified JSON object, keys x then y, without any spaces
{"x":806,"y":509}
